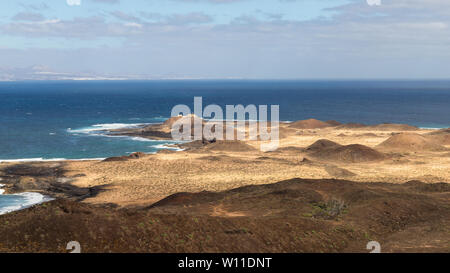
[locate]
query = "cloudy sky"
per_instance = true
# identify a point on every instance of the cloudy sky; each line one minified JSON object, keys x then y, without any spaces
{"x":260,"y":39}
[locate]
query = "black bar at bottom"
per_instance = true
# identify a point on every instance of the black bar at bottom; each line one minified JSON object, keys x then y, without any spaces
{"x":229,"y":262}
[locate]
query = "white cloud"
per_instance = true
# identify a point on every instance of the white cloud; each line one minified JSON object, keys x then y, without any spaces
{"x":374,"y":2}
{"x":133,"y":25}
{"x":73,"y":2}
{"x":401,"y":38}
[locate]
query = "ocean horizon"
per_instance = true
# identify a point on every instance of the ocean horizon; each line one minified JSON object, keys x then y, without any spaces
{"x":56,"y":121}
{"x":225,"y":126}
{"x":67,"y":120}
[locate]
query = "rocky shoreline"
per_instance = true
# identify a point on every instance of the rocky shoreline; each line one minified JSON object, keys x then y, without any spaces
{"x":46,"y":178}
{"x":157,"y":131}
{"x":51,"y":179}
{"x":227,"y":191}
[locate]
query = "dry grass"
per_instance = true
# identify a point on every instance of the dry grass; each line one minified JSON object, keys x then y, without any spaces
{"x":146,"y":180}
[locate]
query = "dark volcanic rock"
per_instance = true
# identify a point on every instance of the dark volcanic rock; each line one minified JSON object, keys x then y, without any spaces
{"x":46,"y":178}
{"x":137,"y":155}
{"x":322,"y":144}
{"x":290,"y":216}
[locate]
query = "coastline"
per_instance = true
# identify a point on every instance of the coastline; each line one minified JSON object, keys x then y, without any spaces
{"x":324,"y":175}
{"x":102,"y":130}
{"x":288,"y":130}
{"x":33,"y":160}
{"x":29,"y":199}
{"x":132,"y":131}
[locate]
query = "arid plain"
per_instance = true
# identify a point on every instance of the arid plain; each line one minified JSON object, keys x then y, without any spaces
{"x":341,"y":186}
{"x":388,"y":153}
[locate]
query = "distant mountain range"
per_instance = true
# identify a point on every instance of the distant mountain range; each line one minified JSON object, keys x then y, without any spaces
{"x":44,"y":73}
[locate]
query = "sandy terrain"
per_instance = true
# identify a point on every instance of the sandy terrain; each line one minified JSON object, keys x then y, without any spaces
{"x":197,"y":199}
{"x":390,"y":153}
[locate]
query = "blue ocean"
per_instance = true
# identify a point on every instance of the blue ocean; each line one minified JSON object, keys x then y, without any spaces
{"x":13,"y":202}
{"x":64,"y":120}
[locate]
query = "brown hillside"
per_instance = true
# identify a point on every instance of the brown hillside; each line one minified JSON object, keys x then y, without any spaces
{"x":409,"y":142}
{"x":441,"y":136}
{"x":321,"y":145}
{"x":379,"y":127}
{"x":354,"y":153}
{"x":290,"y":216}
{"x":333,"y":122}
{"x":219,"y":145}
{"x":229,"y":145}
{"x":309,"y":124}
{"x":393,"y":127}
{"x":351,"y":126}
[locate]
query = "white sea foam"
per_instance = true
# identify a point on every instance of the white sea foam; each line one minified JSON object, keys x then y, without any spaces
{"x":129,"y":137}
{"x":30,"y":199}
{"x":105,"y":127}
{"x":99,"y":130}
{"x":142,"y":139}
{"x":111,"y":126}
{"x":47,"y":160}
{"x":164,"y":146}
{"x":87,"y":159}
{"x":432,"y":128}
{"x":31,"y":160}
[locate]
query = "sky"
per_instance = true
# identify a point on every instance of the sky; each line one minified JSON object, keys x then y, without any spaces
{"x":250,"y":39}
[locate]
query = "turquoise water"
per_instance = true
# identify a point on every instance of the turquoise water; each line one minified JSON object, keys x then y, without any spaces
{"x":13,"y":202}
{"x":64,"y":120}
